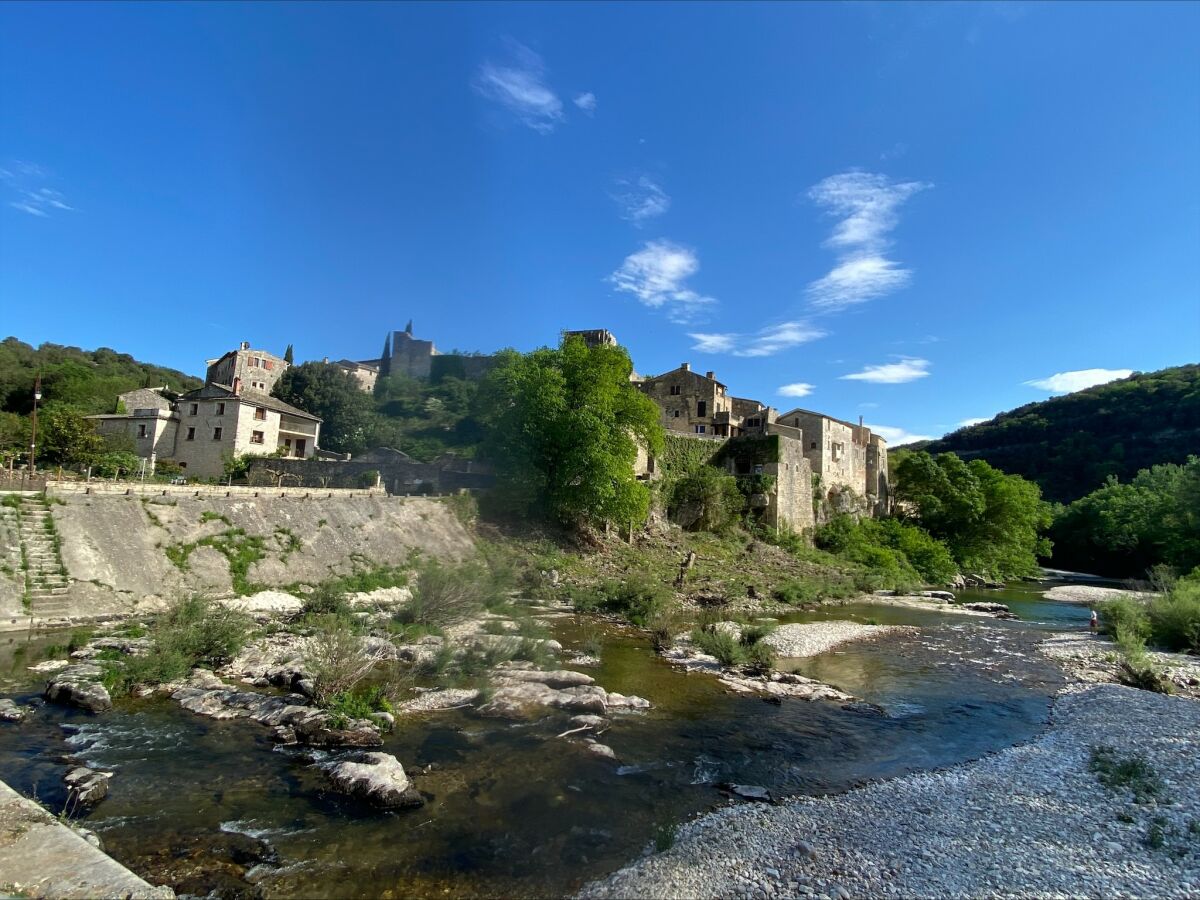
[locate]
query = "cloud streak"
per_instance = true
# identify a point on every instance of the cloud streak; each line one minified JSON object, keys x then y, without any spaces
{"x":586,"y":101}
{"x":520,"y":87}
{"x":26,"y":192}
{"x":908,"y":369}
{"x":866,"y":206}
{"x":1069,"y":382}
{"x":640,"y":199}
{"x":657,"y":276}
{"x":898,"y":436}
{"x":764,"y":342}
{"x":799,"y":389}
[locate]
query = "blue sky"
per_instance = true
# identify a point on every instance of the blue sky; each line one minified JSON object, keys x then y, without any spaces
{"x":905,"y":212}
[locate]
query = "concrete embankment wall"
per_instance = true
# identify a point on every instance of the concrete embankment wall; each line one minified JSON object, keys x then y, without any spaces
{"x":41,"y":857}
{"x":117,"y":549}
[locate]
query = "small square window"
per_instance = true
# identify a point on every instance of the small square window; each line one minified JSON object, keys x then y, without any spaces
{"x":812,"y":446}
{"x":256,"y":437}
{"x":195,"y":411}
{"x":675,"y":414}
{"x":141,"y":431}
{"x":702,"y":408}
{"x":220,"y":409}
{"x":699,"y":429}
{"x":260,"y":414}
{"x":675,"y":389}
{"x":217,"y":433}
{"x":191,"y":433}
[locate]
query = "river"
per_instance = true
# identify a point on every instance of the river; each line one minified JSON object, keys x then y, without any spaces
{"x":511,"y":809}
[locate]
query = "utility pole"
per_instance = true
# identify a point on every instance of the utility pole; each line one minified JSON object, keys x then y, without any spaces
{"x":37,"y":396}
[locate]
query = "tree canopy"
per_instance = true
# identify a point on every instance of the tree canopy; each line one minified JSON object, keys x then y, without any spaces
{"x":1070,"y":445}
{"x":326,"y":391}
{"x":562,"y":427}
{"x":1125,"y":529}
{"x":991,"y":522}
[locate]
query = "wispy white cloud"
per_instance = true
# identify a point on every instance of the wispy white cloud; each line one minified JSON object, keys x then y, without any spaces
{"x":586,"y":101}
{"x":520,"y":87}
{"x":966,"y":423}
{"x":799,"y":389}
{"x":866,"y":205}
{"x":640,"y":199}
{"x":898,"y":436}
{"x":24,"y":183}
{"x":657,"y":276}
{"x":1068,"y":382}
{"x":764,"y":342}
{"x":907,"y":369}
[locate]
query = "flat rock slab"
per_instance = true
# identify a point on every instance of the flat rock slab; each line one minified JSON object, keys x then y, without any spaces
{"x":79,"y":686}
{"x":41,"y":857}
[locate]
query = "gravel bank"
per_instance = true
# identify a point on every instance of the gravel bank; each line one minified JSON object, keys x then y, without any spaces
{"x":1093,"y":659}
{"x":816,"y":637}
{"x":1029,"y":821}
{"x":1086,"y":593}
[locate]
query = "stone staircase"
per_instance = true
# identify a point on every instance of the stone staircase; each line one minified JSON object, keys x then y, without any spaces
{"x":46,"y":582}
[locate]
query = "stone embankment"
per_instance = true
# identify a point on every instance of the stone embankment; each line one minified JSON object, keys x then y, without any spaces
{"x":1032,"y":820}
{"x":42,"y":857}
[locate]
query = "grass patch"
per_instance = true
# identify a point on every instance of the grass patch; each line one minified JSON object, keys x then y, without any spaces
{"x":1132,"y":772}
{"x":209,"y":516}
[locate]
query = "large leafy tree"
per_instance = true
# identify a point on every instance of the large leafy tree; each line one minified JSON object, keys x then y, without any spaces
{"x":324,"y":390}
{"x":562,"y":426}
{"x":66,"y":438}
{"x":1124,"y":529}
{"x":992,"y":522}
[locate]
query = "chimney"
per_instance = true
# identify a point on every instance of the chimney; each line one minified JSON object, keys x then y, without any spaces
{"x":237,"y":387}
{"x":245,"y":345}
{"x":710,"y":375}
{"x":687,"y":367}
{"x":326,"y":360}
{"x":860,"y":421}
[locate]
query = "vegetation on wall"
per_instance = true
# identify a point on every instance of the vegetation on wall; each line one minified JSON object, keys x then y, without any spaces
{"x":1070,"y":445}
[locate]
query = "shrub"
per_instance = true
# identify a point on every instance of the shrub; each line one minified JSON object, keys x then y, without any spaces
{"x":357,"y":703}
{"x":1124,"y":615}
{"x":202,"y":631}
{"x":326,"y":599}
{"x":1174,"y":619}
{"x":1136,"y":668}
{"x":707,"y":499}
{"x":760,"y":658}
{"x":753,"y":634}
{"x":447,"y":594}
{"x":337,"y":659}
{"x":663,"y":625}
{"x":720,"y":643}
{"x":797,"y":591}
{"x":638,"y":598}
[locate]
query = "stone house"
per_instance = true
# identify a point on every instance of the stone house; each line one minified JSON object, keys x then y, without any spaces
{"x":365,"y":373}
{"x":778,"y":473}
{"x":697,"y":404}
{"x":199,"y":430}
{"x":844,"y":456}
{"x":256,"y":370}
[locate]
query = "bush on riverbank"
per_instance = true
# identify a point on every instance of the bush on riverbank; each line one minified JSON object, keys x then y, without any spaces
{"x":192,"y":632}
{"x":640,"y":598}
{"x":890,"y":548}
{"x":1170,"y":621}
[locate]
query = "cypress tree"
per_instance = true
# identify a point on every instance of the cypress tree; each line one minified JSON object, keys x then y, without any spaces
{"x":385,"y":361}
{"x":289,"y":356}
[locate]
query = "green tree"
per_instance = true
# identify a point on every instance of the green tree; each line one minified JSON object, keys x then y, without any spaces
{"x":289,"y":355}
{"x":707,"y":499}
{"x":1124,"y":529}
{"x":990,"y":521}
{"x":562,"y":427}
{"x":324,"y":390}
{"x":66,"y":438}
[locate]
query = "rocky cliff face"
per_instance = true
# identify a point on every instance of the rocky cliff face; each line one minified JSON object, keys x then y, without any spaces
{"x":124,"y":554}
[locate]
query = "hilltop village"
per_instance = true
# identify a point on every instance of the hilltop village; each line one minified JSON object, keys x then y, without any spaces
{"x":809,"y":460}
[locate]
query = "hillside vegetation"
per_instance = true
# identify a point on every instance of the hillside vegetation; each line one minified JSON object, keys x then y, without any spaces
{"x":1070,"y":445}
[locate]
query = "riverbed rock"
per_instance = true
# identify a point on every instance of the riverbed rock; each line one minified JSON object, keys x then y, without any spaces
{"x":523,"y":700}
{"x":597,"y":724}
{"x":87,"y":787}
{"x":944,"y":596}
{"x":999,"y":610}
{"x":559,"y":678}
{"x":433,"y":700}
{"x":602,"y":750}
{"x":79,"y":686}
{"x":127,"y":646}
{"x":375,"y":777}
{"x":277,"y":659}
{"x":750,"y":792}
{"x":10,"y":712}
{"x":626,"y":701}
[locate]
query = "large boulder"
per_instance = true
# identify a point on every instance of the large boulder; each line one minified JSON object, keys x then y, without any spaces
{"x":525,"y":699}
{"x":375,"y":777}
{"x":79,"y":686}
{"x":10,"y":712}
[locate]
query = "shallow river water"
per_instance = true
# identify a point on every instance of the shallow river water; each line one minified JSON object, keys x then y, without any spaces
{"x":513,"y":810}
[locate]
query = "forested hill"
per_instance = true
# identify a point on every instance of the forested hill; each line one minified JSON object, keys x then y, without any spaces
{"x":1069,"y":445}
{"x":88,"y":380}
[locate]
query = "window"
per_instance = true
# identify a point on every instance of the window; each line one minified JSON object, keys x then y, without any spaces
{"x":191,"y":435}
{"x":220,"y":409}
{"x":141,"y":431}
{"x":256,"y":437}
{"x":217,"y":433}
{"x":195,"y":409}
{"x":796,"y":422}
{"x":256,"y":362}
{"x":753,"y":423}
{"x":812,"y":446}
{"x":675,"y":414}
{"x":758,"y":469}
{"x":260,"y":414}
{"x":300,"y":447}
{"x":675,"y":389}
{"x":699,"y":429}
{"x":702,"y":408}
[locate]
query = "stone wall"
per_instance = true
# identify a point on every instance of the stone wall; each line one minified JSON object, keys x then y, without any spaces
{"x":115,"y":546}
{"x":399,"y":474}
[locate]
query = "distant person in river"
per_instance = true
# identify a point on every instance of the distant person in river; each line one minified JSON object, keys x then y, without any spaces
{"x":1094,"y":623}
